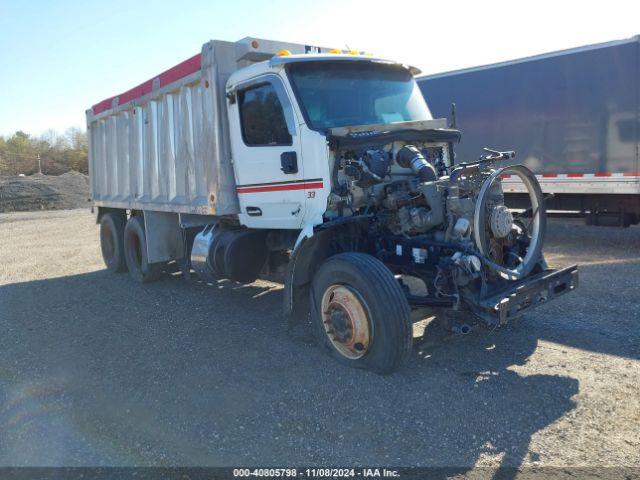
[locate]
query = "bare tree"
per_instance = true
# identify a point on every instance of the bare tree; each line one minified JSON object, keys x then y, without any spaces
{"x":22,"y":153}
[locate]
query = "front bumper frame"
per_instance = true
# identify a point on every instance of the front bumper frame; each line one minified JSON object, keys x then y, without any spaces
{"x":523,"y":295}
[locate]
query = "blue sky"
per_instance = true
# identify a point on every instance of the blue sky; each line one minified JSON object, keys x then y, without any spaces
{"x":57,"y":58}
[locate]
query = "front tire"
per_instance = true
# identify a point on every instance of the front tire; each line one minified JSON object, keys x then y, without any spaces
{"x":135,"y":248}
{"x":360,"y":313}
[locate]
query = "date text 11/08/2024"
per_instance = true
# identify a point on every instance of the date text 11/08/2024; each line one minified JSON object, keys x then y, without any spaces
{"x":316,"y":472}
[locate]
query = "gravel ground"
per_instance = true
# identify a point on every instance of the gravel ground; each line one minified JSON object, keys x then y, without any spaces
{"x":97,"y":370}
{"x":43,"y":192}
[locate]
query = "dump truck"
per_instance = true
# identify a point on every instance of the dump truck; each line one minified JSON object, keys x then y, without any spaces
{"x":258,"y":158}
{"x":573,"y":116}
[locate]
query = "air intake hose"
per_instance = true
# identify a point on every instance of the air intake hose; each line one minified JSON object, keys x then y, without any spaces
{"x":410,"y":157}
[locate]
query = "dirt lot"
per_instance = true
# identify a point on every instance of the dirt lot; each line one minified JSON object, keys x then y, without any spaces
{"x":97,"y":370}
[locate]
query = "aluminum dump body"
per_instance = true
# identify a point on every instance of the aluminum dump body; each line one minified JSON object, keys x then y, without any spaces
{"x":164,"y":144}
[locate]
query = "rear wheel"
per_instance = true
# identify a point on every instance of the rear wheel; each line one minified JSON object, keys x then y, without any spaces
{"x":135,"y":248}
{"x":360,"y":313}
{"x":112,"y":242}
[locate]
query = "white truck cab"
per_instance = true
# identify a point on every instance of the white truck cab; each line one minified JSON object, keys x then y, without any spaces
{"x":276,"y":187}
{"x":278,"y":128}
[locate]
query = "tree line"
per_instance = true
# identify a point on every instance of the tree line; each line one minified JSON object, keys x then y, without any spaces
{"x":51,"y":153}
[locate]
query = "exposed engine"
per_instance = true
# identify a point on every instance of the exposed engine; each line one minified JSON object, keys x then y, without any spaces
{"x":446,"y":224}
{"x":414,"y":198}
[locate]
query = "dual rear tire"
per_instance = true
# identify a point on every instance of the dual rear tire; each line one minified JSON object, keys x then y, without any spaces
{"x":124,"y":247}
{"x":112,"y":241}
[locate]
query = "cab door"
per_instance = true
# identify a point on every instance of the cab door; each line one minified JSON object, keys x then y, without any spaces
{"x":267,"y":157}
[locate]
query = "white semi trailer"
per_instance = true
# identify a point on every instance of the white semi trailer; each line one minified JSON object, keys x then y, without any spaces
{"x":257,"y":157}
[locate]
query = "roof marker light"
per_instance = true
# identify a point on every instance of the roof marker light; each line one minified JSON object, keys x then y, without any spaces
{"x":283,"y":53}
{"x":335,"y":50}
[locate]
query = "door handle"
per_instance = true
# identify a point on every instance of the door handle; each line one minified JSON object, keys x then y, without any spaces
{"x":289,"y":162}
{"x":254,"y":211}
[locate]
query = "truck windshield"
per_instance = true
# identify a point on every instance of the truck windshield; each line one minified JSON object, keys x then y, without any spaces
{"x":348,"y":93}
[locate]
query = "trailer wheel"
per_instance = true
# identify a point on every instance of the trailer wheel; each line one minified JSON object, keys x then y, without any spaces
{"x":135,"y":248}
{"x":112,"y":242}
{"x":360,"y":313}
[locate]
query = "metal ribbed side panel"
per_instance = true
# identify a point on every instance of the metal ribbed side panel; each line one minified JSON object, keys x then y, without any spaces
{"x":168,"y":150}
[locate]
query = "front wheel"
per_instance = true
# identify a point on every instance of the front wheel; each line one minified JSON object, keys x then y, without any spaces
{"x":360,"y":313}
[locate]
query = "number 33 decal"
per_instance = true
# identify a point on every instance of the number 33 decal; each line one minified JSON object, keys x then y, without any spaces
{"x":311,"y":194}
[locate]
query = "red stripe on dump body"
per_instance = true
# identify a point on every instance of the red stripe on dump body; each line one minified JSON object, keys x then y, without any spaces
{"x":279,"y":188}
{"x":135,"y":92}
{"x":181,"y":70}
{"x":175,"y":73}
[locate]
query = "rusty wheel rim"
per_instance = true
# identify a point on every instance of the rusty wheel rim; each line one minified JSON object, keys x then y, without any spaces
{"x":345,"y":321}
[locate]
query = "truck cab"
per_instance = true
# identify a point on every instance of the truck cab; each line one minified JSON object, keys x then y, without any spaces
{"x":280,"y":112}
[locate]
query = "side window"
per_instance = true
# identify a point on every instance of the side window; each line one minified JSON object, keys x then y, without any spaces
{"x":262,"y":117}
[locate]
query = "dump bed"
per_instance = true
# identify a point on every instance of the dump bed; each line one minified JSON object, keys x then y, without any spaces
{"x":164,"y":144}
